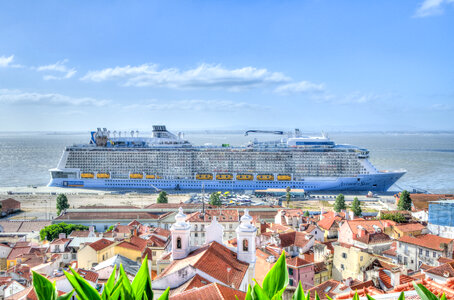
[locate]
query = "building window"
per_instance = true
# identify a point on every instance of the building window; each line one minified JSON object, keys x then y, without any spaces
{"x":427,"y":253}
{"x":344,"y":255}
{"x":245,"y":245}
{"x":435,"y":254}
{"x":291,"y":282}
{"x":342,"y":267}
{"x":420,"y":251}
{"x":290,"y":271}
{"x":178,"y":243}
{"x":361,"y":258}
{"x":196,"y":234}
{"x":153,"y":253}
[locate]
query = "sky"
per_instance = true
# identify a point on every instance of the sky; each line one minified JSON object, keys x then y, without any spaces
{"x":309,"y":64}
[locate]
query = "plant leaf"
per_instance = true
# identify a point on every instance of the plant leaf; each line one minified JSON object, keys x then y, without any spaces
{"x":44,"y":289}
{"x":76,"y":286}
{"x":424,"y":293}
{"x":111,"y":281}
{"x":277,"y":278}
{"x":316,"y":296}
{"x":165,"y":295}
{"x":66,"y":296}
{"x":299,"y":293}
{"x":258,"y":292}
{"x":401,"y":296}
{"x":88,"y":290}
{"x":248,"y":293}
{"x":141,"y":285}
{"x":126,"y":289}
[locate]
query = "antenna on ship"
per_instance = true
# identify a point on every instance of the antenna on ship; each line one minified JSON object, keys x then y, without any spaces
{"x":132,"y":133}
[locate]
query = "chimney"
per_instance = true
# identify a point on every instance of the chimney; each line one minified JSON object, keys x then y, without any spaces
{"x":62,"y":235}
{"x":395,"y":276}
{"x":351,"y":215}
{"x":361,"y":231}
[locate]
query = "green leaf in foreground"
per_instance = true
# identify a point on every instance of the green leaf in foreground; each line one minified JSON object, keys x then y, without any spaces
{"x":276,"y":280}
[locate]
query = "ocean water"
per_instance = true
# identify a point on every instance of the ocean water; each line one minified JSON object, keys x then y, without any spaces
{"x":428,"y":158}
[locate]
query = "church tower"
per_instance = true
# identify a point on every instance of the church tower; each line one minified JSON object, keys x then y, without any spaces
{"x":245,"y":238}
{"x":181,"y":231}
{"x":214,"y":232}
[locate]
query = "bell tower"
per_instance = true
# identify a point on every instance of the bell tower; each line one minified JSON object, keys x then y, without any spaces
{"x":181,"y":231}
{"x":245,"y":236}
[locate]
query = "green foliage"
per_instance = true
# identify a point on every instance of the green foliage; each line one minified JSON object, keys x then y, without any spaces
{"x":340,"y":203}
{"x":51,"y":232}
{"x":62,"y":203}
{"x":356,"y":207}
{"x":396,"y":217}
{"x":404,"y":201}
{"x":111,"y":227}
{"x":162,"y":197}
{"x":139,"y":289}
{"x":215,"y":199}
{"x":306,"y":213}
{"x":274,"y":285}
{"x":45,"y":290}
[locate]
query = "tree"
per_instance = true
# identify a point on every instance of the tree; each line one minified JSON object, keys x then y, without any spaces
{"x":288,"y":195}
{"x":162,"y":198}
{"x":51,"y":232}
{"x":340,"y":203}
{"x":404,"y":201}
{"x":215,"y":199}
{"x":111,"y":227}
{"x":356,"y":207}
{"x":62,"y":203}
{"x":396,"y":217}
{"x":306,"y":213}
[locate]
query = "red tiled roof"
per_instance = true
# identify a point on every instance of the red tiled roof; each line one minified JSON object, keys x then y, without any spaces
{"x":410,"y":227}
{"x":128,"y":245}
{"x":327,"y":223}
{"x":212,"y":291}
{"x":88,"y":275}
{"x":60,"y":241}
{"x":386,"y":279}
{"x":154,"y":241}
{"x":368,"y":225}
{"x":445,"y":270}
{"x":371,"y":290}
{"x":429,"y":241}
{"x":373,"y":238}
{"x":294,"y":238}
{"x":196,"y":282}
{"x":221,"y":216}
{"x":297,"y":262}
{"x":100,"y":244}
{"x":437,"y":288}
{"x":214,"y":259}
{"x":320,"y":267}
{"x":280,"y":228}
{"x":17,"y":251}
{"x":323,"y":289}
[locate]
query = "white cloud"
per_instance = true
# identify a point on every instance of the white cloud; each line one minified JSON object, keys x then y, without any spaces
{"x":195,"y":105}
{"x":441,"y":107}
{"x":19,"y":97}
{"x":300,"y":87}
{"x":431,"y":8}
{"x":5,"y":61}
{"x":58,"y":67}
{"x":204,"y":76}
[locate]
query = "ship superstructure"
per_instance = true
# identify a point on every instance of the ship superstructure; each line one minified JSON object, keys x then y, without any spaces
{"x":168,"y":161}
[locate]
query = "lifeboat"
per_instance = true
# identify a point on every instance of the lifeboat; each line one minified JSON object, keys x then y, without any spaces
{"x":103,"y":175}
{"x":265,"y":177}
{"x":87,"y":175}
{"x":148,"y":176}
{"x":224,"y":176}
{"x":244,"y":177}
{"x":204,"y":176}
{"x":284,"y":177}
{"x":135,"y":176}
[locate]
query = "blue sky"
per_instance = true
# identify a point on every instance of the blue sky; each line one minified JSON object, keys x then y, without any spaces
{"x":313,"y":64}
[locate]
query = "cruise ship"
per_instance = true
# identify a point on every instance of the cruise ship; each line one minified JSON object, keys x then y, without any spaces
{"x":168,"y":161}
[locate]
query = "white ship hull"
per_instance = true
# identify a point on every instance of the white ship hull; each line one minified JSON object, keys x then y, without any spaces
{"x":372,"y":182}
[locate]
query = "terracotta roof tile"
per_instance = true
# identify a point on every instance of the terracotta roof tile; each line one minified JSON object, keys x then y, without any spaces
{"x":214,"y":259}
{"x":445,"y":270}
{"x":212,"y":291}
{"x":221,"y":216}
{"x":410,"y":227}
{"x":88,"y":275}
{"x":17,"y":251}
{"x":429,"y":241}
{"x":100,"y":244}
{"x":324,"y":289}
{"x":297,"y":262}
